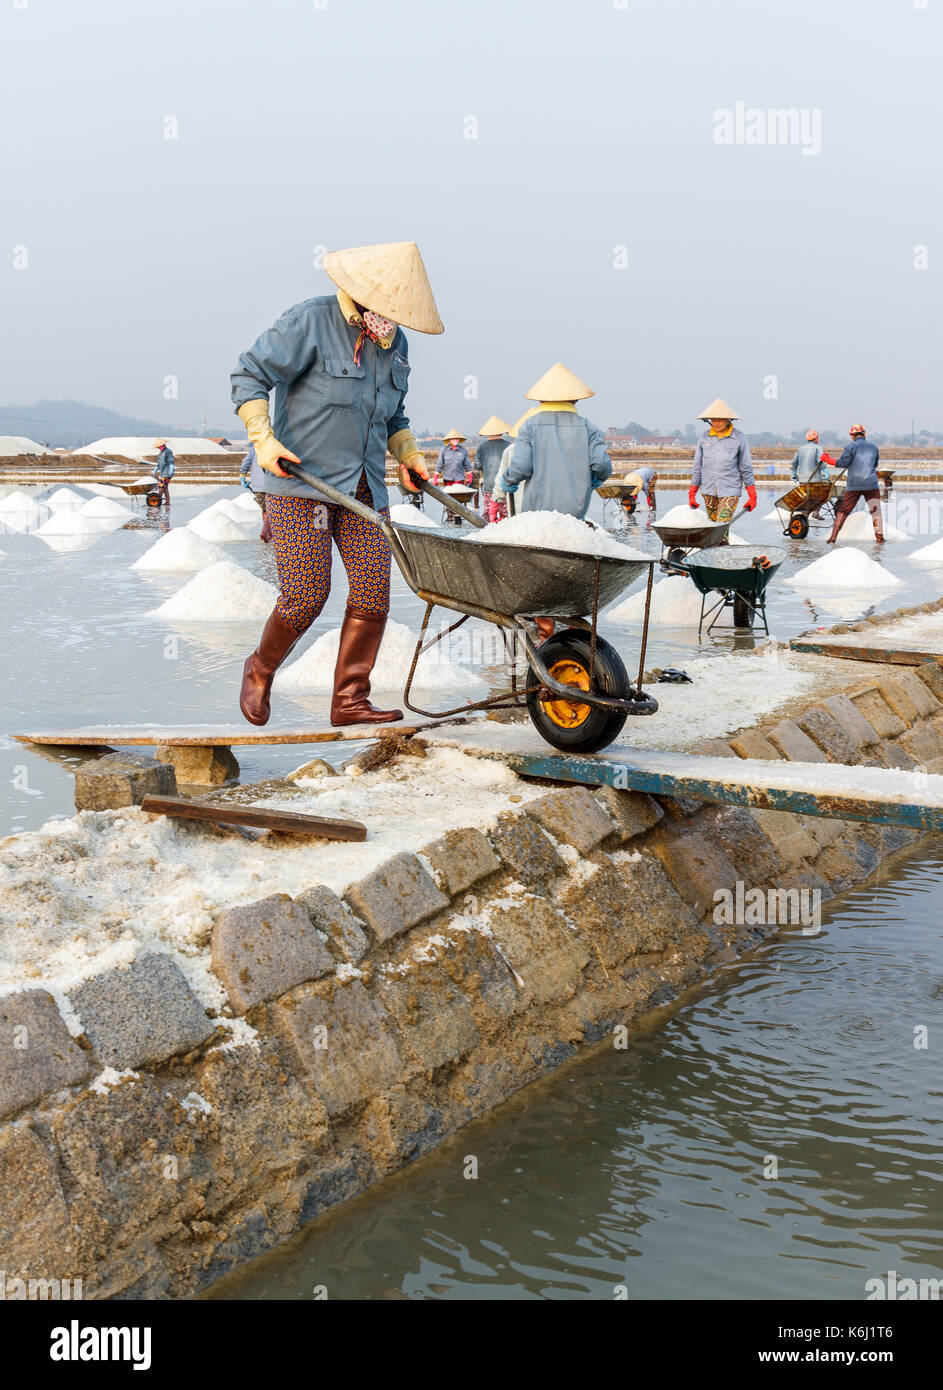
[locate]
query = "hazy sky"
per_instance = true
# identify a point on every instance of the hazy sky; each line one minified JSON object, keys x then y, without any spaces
{"x":307,"y":123}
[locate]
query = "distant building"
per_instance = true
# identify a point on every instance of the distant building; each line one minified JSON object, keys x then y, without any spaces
{"x":621,"y":441}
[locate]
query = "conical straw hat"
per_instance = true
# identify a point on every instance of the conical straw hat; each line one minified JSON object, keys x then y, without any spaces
{"x":559,"y":384}
{"x":494,"y":425}
{"x":513,"y":431}
{"x":389,"y":279}
{"x":454,"y":434}
{"x":718,"y":410}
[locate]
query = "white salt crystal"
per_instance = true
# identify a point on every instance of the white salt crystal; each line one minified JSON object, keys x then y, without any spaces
{"x":180,"y":549}
{"x":223,"y":592}
{"x":554,"y":531}
{"x":844,"y":569}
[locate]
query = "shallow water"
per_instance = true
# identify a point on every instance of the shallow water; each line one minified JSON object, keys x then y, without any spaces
{"x":81,"y":646}
{"x":644,"y":1168}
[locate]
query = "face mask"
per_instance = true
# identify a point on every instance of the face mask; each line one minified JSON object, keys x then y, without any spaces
{"x":378,"y":325}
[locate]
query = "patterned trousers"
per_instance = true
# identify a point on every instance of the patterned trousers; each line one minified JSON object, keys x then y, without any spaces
{"x":303,"y":531}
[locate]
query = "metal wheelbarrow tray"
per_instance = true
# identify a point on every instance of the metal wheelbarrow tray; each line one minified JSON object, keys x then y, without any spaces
{"x":800,"y":502}
{"x":732,"y":572}
{"x":679,"y":540}
{"x":510,"y":585}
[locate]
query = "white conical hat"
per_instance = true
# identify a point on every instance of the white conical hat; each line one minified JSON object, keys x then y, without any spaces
{"x":389,"y":279}
{"x":513,"y":431}
{"x":453,"y":434}
{"x":494,"y":425}
{"x":559,"y":384}
{"x":718,"y":410}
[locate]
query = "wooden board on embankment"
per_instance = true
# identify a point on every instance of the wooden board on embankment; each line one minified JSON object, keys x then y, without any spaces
{"x":212,"y":736}
{"x":847,"y":651}
{"x":256,"y":818}
{"x":834,"y":790}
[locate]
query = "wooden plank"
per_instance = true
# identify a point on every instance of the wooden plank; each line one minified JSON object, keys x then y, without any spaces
{"x":255,"y":817}
{"x":891,"y":656}
{"x":193,"y":736}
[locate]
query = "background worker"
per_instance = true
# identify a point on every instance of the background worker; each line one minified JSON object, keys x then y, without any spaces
{"x":559,"y":456}
{"x":164,"y":470}
{"x":453,"y":464}
{"x":488,"y":458}
{"x":808,"y":461}
{"x":722,"y":465}
{"x":643,"y":480}
{"x":245,"y":477}
{"x":339,"y":368}
{"x":860,"y":459}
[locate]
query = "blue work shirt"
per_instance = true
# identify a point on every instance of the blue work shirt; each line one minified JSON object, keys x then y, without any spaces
{"x":561,"y":457}
{"x":335,"y":414}
{"x":164,"y":467}
{"x":488,"y":458}
{"x":722,"y":465}
{"x":453,"y":463}
{"x":860,"y":457}
{"x":807,"y":466}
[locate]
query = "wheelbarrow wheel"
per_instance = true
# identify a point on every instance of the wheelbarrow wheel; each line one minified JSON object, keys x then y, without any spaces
{"x":572,"y":725}
{"x":798,"y":526}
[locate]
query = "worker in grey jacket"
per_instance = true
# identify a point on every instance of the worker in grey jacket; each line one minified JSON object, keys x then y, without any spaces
{"x":164,"y":470}
{"x":860,"y":459}
{"x":722,"y":465}
{"x":488,"y":458}
{"x":808,"y":461}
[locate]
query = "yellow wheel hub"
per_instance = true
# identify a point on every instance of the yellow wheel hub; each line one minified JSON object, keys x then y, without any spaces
{"x":568,"y":714}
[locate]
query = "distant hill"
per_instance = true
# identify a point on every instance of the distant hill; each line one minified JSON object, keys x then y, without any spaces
{"x":67,"y":424}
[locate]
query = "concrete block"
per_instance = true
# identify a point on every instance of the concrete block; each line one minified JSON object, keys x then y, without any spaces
{"x":524,"y":848}
{"x":921,"y":696}
{"x":331,"y":916}
{"x":715,"y":748}
{"x":121,"y":779}
{"x":825,"y":730}
{"x":871,"y":703}
{"x":895,"y":693}
{"x":342,"y":1040}
{"x":892,"y":753}
{"x":461,"y":858}
{"x":696,"y":867}
{"x":35,"y":1242}
{"x":266,"y":948}
{"x":751,"y":743}
{"x":632,"y":812}
{"x":793,"y":744}
{"x":788,"y":833}
{"x":141,"y":1014}
{"x":546,"y":954}
{"x":37,"y":1052}
{"x":315,"y":767}
{"x":931,"y":673}
{"x":739,"y":835}
{"x":572,"y":815}
{"x":208,"y":766}
{"x":431,"y":1012}
{"x":847,"y":714}
{"x":923,"y":742}
{"x":626,"y":911}
{"x":396,"y":896}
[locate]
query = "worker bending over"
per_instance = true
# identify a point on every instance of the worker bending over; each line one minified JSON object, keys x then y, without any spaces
{"x":860,"y":459}
{"x":643,"y":480}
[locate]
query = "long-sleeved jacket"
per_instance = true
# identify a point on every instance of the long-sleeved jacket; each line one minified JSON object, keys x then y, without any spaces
{"x":860,"y":457}
{"x":453,"y":463}
{"x":807,"y":464}
{"x":722,"y":466}
{"x":561,"y":457}
{"x":164,"y":467}
{"x":334,"y":414}
{"x":488,"y":458}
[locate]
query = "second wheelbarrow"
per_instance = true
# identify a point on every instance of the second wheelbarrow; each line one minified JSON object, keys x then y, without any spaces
{"x":803,"y":501}
{"x":733,"y":576}
{"x":577,"y":693}
{"x":678,"y":541}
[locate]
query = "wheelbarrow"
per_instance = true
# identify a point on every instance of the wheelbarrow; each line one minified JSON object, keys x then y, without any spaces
{"x":624,"y":495}
{"x":679,"y":541}
{"x":739,"y":575}
{"x":577,"y":691}
{"x":800,"y":503}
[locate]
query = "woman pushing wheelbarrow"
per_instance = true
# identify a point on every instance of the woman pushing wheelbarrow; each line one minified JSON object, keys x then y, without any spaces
{"x":338,"y":366}
{"x":722,"y":464}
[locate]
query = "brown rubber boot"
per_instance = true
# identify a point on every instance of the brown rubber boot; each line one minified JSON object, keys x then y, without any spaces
{"x":361,"y":635}
{"x":275,"y":643}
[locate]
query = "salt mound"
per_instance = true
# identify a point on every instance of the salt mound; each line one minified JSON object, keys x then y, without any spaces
{"x":107,"y":490}
{"x":64,"y":497}
{"x":13,"y":444}
{"x":66,"y":543}
{"x":17,"y":502}
{"x":313,"y":672}
{"x":859,"y":527}
{"x":931,"y":554}
{"x":675,"y":603}
{"x":222,"y":593}
{"x":405,"y":515}
{"x":69,"y":522}
{"x":135,"y":446}
{"x":553,"y":531}
{"x":180,"y":550}
{"x":245,"y":502}
{"x":734,"y":539}
{"x":103,"y":508}
{"x":685,"y":516}
{"x":771,"y":516}
{"x":844,"y":569}
{"x":228,"y":507}
{"x":212,"y":526}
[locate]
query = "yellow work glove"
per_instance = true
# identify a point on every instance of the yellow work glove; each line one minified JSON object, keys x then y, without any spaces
{"x":255,"y":417}
{"x":409,"y":458}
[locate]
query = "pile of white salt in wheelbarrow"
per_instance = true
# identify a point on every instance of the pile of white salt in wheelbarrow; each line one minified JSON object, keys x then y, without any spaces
{"x":554,"y":531}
